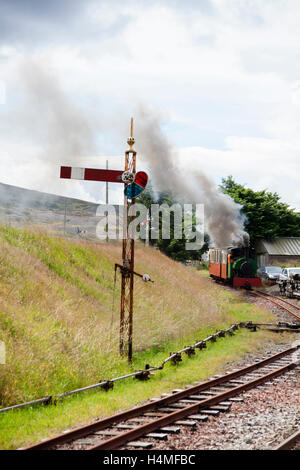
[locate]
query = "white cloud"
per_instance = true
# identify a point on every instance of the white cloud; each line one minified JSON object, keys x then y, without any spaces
{"x":226,"y":80}
{"x":258,"y":163}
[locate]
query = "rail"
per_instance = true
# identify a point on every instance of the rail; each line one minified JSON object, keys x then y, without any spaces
{"x":204,"y":398}
{"x":143,"y":374}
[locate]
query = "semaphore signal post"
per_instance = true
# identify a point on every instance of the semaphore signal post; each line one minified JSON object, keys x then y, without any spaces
{"x":134,"y":185}
{"x":127,"y":276}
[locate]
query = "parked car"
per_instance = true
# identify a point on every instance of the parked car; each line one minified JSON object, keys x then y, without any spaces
{"x":270,"y":273}
{"x":287,"y":272}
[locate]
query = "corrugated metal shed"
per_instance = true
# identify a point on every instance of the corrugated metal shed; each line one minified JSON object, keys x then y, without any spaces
{"x":288,"y":246}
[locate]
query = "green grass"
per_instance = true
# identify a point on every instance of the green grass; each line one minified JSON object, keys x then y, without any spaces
{"x":22,"y":427}
{"x":61,"y":329}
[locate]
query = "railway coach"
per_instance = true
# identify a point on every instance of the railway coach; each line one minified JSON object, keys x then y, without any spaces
{"x":235,"y":266}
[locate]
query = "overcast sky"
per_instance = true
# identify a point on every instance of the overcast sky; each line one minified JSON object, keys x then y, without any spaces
{"x":223,"y":77}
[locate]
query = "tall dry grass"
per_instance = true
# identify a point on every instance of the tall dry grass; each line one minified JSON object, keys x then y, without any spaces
{"x":57,"y":317}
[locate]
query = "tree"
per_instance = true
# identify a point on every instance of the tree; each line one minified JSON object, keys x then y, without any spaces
{"x":173,"y":247}
{"x":266,"y":216}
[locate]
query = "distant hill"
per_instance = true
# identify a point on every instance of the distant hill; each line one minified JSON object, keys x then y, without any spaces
{"x":25,"y":207}
{"x":14,"y":196}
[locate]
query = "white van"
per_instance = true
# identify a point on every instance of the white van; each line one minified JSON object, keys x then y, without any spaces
{"x":287,"y":272}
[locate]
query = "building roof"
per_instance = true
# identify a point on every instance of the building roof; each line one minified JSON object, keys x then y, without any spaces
{"x":288,"y":246}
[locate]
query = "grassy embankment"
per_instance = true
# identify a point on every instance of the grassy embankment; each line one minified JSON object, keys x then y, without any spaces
{"x":61,"y":332}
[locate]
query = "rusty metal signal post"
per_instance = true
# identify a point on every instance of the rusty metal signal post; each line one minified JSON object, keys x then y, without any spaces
{"x":127,"y":273}
{"x":134,"y":184}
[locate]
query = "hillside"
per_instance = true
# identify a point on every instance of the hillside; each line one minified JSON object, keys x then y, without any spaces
{"x":22,"y":207}
{"x":58,"y":321}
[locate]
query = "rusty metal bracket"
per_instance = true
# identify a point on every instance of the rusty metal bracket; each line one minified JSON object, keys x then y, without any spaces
{"x":108,"y":385}
{"x":190,"y":351}
{"x":143,"y":375}
{"x":176,"y":357}
{"x":126,"y":271}
{"x":49,"y":401}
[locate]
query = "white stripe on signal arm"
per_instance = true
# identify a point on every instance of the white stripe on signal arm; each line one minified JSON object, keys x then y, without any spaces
{"x":77,"y":173}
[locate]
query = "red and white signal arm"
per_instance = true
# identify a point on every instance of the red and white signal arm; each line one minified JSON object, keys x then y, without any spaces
{"x":132,"y":190}
{"x":91,"y":174}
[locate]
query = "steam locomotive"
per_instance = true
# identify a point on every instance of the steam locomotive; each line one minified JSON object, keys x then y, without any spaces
{"x":235,"y":266}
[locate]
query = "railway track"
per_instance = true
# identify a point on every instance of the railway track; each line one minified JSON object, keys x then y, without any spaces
{"x":291,"y":443}
{"x":143,"y":425}
{"x":289,"y":307}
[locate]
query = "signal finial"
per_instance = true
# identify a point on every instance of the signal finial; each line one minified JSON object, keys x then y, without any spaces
{"x":130,"y":140}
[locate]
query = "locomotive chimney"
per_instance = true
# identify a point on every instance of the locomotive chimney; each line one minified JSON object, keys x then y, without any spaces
{"x":246,"y":244}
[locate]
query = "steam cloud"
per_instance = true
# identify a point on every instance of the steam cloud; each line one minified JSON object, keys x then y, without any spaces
{"x":46,"y":129}
{"x":223,"y":219}
{"x":62,"y":130}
